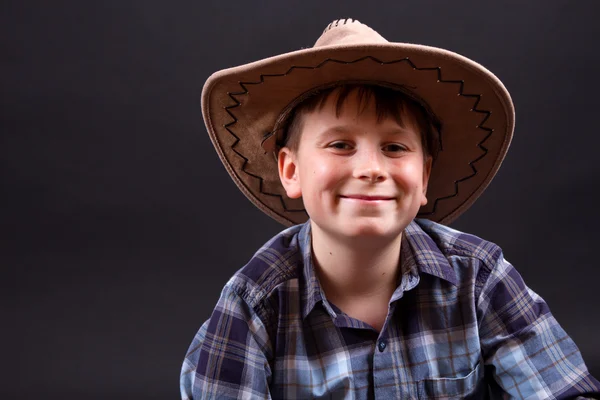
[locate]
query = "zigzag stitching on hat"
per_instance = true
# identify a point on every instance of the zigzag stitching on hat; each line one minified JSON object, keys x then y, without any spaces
{"x":484,"y":149}
{"x":328,"y":60}
{"x":237,"y":139}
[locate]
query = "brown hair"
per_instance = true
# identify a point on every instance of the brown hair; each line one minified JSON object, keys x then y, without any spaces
{"x":388,"y":103}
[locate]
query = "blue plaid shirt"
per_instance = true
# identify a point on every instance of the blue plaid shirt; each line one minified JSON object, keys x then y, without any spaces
{"x":461,"y":324}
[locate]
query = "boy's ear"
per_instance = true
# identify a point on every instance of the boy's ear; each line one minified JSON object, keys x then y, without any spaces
{"x":288,"y":172}
{"x":426,"y":174}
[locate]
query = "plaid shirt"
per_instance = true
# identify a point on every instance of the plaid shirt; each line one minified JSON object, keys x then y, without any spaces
{"x":461,"y":323}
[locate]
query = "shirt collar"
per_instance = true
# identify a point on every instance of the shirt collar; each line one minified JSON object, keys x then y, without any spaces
{"x":419,"y":254}
{"x":423,"y":253}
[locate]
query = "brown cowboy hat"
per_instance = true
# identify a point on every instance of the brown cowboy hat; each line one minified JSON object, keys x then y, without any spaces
{"x":243,"y":107}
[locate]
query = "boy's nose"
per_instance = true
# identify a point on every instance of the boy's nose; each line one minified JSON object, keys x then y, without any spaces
{"x":369,"y":166}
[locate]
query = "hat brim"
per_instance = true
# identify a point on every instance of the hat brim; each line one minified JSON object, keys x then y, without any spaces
{"x":241,"y":106}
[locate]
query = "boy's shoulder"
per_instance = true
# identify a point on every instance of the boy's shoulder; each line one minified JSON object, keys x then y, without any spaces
{"x":435,"y":237}
{"x":454,"y":255}
{"x":277,"y":262}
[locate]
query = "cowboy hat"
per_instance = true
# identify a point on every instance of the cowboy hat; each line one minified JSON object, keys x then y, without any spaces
{"x":243,"y":107}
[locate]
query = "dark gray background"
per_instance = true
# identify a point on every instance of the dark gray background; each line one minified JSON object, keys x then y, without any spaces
{"x":120,"y":225}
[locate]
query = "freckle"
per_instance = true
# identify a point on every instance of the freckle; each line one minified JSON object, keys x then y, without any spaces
{"x":383,"y":273}
{"x":330,"y":253}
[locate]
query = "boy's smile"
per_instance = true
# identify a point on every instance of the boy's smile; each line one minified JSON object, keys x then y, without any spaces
{"x":358,"y":176}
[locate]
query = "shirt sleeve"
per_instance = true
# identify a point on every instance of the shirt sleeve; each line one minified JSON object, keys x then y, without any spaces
{"x":524,"y":348}
{"x":228,"y":358}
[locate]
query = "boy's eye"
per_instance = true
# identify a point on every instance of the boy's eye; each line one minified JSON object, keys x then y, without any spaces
{"x":393,"y":147}
{"x":340,"y":145}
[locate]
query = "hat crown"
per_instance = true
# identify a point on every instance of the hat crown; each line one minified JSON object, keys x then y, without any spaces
{"x":347,"y":32}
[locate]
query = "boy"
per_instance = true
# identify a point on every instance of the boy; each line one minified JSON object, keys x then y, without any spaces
{"x":359,"y":298}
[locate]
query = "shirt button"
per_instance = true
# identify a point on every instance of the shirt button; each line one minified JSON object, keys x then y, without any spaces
{"x":381,"y":345}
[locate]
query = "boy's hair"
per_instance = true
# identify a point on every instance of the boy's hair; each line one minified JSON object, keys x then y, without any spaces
{"x":389,"y":103}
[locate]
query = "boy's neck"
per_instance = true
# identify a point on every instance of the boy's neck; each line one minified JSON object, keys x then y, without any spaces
{"x":356,"y":269}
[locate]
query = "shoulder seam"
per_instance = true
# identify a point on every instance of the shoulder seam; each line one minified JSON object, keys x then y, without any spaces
{"x":253,"y":293}
{"x":480,"y":280}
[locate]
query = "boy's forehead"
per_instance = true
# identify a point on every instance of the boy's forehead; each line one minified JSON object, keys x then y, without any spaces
{"x":355,"y":105}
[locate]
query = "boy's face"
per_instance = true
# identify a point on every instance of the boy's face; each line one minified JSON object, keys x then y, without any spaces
{"x":357,"y":177}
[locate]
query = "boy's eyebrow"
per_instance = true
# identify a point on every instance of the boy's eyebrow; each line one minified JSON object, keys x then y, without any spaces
{"x":398,"y":130}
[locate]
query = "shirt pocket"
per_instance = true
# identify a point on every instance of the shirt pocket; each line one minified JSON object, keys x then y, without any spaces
{"x":468,"y":386}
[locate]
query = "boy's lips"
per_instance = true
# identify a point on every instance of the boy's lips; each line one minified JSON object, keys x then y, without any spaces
{"x":365,"y":197}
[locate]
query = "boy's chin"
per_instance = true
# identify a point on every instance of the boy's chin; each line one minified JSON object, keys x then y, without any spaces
{"x":359,"y":230}
{"x":370,"y":231}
